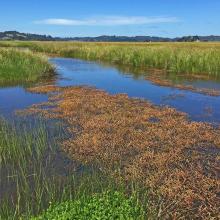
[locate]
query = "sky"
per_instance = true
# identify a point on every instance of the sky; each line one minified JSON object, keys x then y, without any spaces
{"x":70,"y":18}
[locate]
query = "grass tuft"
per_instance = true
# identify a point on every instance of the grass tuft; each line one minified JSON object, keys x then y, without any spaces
{"x":22,"y":66}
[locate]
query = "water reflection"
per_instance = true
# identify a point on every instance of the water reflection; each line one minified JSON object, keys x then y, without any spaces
{"x":72,"y":72}
{"x":200,"y":107}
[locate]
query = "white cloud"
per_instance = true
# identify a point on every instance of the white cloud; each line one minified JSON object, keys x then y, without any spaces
{"x":109,"y":21}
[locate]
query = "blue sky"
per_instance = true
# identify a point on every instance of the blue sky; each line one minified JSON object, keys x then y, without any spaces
{"x":167,"y":18}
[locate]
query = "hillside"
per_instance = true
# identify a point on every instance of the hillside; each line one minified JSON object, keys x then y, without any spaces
{"x":14,"y":35}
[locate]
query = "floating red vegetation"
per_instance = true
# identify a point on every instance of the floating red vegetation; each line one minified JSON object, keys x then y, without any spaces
{"x":177,"y":159}
{"x":168,"y":83}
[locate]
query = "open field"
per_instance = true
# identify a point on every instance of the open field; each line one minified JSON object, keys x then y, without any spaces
{"x":18,"y":66}
{"x":188,"y":58}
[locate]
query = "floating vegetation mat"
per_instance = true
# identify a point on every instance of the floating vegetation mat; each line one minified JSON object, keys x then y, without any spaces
{"x":168,"y":83}
{"x":177,"y":159}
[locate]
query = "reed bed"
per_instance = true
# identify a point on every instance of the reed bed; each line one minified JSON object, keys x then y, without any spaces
{"x":35,"y":174}
{"x":20,"y":66}
{"x":25,"y":160}
{"x":189,"y":58}
{"x":176,"y":159}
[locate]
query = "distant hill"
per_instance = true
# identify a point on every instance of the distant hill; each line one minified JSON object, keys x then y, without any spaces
{"x":105,"y":38}
{"x":210,"y":38}
{"x":14,"y":35}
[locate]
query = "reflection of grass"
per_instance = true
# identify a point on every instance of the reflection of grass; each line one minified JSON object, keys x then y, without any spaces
{"x":156,"y":146}
{"x":22,"y":67}
{"x":34,"y":173}
{"x":190,"y":58}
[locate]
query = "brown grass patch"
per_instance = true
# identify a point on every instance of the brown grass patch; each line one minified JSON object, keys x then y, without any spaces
{"x":176,"y":158}
{"x":168,"y":83}
{"x":44,"y":89}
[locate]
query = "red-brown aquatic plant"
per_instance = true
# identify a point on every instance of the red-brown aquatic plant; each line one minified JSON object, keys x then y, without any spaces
{"x":176,"y":158}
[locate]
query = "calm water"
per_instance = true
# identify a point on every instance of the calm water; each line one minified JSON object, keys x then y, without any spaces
{"x":14,"y":98}
{"x":77,"y":72}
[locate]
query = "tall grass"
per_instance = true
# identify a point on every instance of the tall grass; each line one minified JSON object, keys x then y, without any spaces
{"x":189,"y":58}
{"x":34,"y":174}
{"x":22,"y":66}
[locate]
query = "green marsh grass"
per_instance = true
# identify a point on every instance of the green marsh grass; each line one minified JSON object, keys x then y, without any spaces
{"x":188,"y":58}
{"x":35,"y":175}
{"x":20,"y":66}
